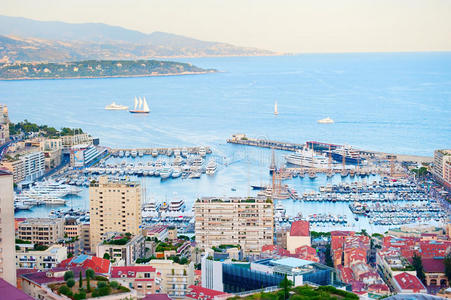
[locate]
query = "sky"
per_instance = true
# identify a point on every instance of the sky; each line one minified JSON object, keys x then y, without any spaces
{"x":293,"y":26}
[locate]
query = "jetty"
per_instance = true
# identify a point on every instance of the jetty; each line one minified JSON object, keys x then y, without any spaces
{"x":242,"y":139}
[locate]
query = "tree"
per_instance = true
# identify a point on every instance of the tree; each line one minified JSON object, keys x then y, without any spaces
{"x":68,"y":275}
{"x":114,"y":284}
{"x":70,"y":283}
{"x":79,"y":296}
{"x":418,"y":265}
{"x":65,"y":290}
{"x":80,"y":280}
{"x":88,"y":284}
{"x":447,"y":263}
{"x":90,"y":273}
{"x":106,"y":256}
{"x":285,"y":284}
{"x":70,"y":254}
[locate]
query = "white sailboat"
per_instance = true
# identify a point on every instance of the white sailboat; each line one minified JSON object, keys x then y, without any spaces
{"x":141,"y":106}
{"x":276,"y":112}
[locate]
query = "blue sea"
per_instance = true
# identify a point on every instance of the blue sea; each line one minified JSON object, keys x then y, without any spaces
{"x":391,"y":102}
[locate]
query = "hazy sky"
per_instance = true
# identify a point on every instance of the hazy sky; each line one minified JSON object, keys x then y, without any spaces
{"x":283,"y":25}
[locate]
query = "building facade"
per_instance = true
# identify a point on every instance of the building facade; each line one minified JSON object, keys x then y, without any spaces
{"x":135,"y":248}
{"x":248,"y":222}
{"x":442,"y":166}
{"x":7,"y":235}
{"x":175,"y":278}
{"x":41,"y":260}
{"x":17,"y":167}
{"x":115,"y":206}
{"x":34,"y":165}
{"x":43,"y":231}
{"x":4,"y":124}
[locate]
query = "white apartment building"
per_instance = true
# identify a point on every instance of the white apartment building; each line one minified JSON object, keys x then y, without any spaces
{"x":41,"y":260}
{"x":248,"y":222}
{"x":34,"y":165}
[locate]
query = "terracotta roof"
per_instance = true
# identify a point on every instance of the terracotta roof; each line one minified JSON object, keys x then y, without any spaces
{"x":130,"y":271}
{"x":20,"y":272}
{"x":408,"y":281}
{"x":11,"y":292}
{"x":432,"y":265}
{"x":300,"y":228}
{"x":99,"y":265}
{"x":198,"y":292}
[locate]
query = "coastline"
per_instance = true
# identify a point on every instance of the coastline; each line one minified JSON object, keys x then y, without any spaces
{"x":111,"y":76}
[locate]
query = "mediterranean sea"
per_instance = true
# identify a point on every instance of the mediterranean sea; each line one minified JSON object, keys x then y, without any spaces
{"x":391,"y":102}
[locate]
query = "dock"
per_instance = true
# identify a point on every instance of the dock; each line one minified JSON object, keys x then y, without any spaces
{"x":160,"y":151}
{"x":242,"y":139}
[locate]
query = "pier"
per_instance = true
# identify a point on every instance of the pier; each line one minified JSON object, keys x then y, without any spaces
{"x":241,"y":139}
{"x":163,"y":151}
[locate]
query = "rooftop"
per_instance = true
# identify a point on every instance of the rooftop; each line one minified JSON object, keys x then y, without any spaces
{"x":130,"y":271}
{"x":198,"y":292}
{"x":300,"y":228}
{"x":12,"y":292}
{"x":409,"y":282}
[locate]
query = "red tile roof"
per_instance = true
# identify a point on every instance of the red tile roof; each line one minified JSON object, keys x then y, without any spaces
{"x":198,"y":292}
{"x":130,"y":271}
{"x":300,"y":228}
{"x":408,"y":282}
{"x":99,"y":265}
{"x":157,"y":297}
{"x":432,"y":265}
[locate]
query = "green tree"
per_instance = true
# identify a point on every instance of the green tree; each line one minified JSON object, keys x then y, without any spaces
{"x":88,"y":283}
{"x":90,"y":273}
{"x":106,"y":256}
{"x":70,"y":283}
{"x":114,"y":284}
{"x":68,"y":275}
{"x":80,"y":295}
{"x":70,"y":254}
{"x":447,"y":262}
{"x":285,"y":284}
{"x":80,"y":280}
{"x":65,"y":290}
{"x":418,"y":265}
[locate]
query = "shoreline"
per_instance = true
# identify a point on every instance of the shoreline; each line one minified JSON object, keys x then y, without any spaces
{"x":111,"y":76}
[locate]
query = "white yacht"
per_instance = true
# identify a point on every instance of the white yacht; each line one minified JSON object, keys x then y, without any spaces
{"x":326,"y":121}
{"x":165,"y":172}
{"x":307,"y":158}
{"x":211,"y":167}
{"x":178,"y":204}
{"x":202,"y":151}
{"x":178,"y":160}
{"x":184,"y":152}
{"x":134,"y":153}
{"x":176,"y":173}
{"x":114,"y":106}
{"x":154,"y":153}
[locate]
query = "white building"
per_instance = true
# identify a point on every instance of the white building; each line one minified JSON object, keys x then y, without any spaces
{"x":34,"y":165}
{"x":84,"y":155}
{"x":41,"y":260}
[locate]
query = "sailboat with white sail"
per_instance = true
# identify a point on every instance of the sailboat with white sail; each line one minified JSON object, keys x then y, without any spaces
{"x":140,"y":107}
{"x":276,"y":112}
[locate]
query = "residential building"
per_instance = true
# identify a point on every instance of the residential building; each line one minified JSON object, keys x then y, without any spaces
{"x":248,"y":222}
{"x":144,"y":279}
{"x":4,"y":124}
{"x":442,"y":166}
{"x":44,"y":231}
{"x":201,"y":293}
{"x":16,"y":166}
{"x":76,"y":139}
{"x":34,"y":165}
{"x":83,"y":155}
{"x":7,"y":234}
{"x":408,"y":283}
{"x":175,"y":278}
{"x":299,"y":235}
{"x":159,"y":232}
{"x":115,"y":206}
{"x":85,"y":237}
{"x":434,"y":271}
{"x":120,"y":248}
{"x":52,"y":149}
{"x":72,"y":236}
{"x":41,"y":260}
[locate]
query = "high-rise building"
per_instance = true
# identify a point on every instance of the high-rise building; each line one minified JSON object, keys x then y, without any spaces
{"x":4,"y":124}
{"x":115,"y":206}
{"x":34,"y":165}
{"x":442,"y":166}
{"x":45,"y":231}
{"x":248,"y":222}
{"x":7,"y":237}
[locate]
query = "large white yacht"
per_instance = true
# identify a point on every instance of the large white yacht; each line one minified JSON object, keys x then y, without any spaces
{"x":178,"y":204}
{"x":211,"y":167}
{"x":114,"y":106}
{"x":307,"y":158}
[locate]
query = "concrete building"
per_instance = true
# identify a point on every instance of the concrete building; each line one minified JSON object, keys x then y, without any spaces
{"x":16,"y":166}
{"x":43,"y":231}
{"x":144,"y":279}
{"x":52,"y":149}
{"x":34,"y":165}
{"x":442,"y":166}
{"x":298,"y":236}
{"x":175,"y":278}
{"x":7,"y":235}
{"x":115,"y":206}
{"x":248,"y":222}
{"x":83,"y":155}
{"x":129,"y":252}
{"x":4,"y":124}
{"x":153,"y":232}
{"x":85,"y":237}
{"x":77,"y":139}
{"x":41,"y":260}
